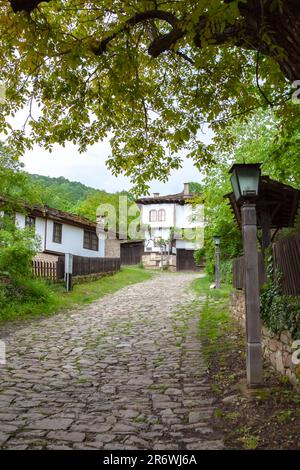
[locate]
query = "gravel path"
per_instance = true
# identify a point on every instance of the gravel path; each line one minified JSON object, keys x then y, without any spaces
{"x":122,"y":373}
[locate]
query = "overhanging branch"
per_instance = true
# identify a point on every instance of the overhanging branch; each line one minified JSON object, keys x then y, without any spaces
{"x":141,"y":18}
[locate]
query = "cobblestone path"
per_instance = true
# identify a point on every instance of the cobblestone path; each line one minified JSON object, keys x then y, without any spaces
{"x":122,"y":373}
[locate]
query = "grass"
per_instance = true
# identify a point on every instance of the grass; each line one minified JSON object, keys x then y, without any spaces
{"x":268,"y":418}
{"x":53,"y":298}
{"x":215,"y":318}
{"x":201,"y":286}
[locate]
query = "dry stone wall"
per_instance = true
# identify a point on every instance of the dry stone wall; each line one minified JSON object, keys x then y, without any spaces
{"x":277,"y":349}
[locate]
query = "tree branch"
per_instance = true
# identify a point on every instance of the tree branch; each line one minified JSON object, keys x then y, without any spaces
{"x":136,"y":19}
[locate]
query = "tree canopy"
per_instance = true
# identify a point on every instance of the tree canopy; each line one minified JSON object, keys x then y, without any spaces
{"x":146,"y":73}
{"x":258,"y":142}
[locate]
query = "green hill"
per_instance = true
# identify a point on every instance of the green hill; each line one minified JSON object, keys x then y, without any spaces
{"x":72,"y":196}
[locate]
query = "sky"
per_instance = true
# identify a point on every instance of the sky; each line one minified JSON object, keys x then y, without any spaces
{"x":90,"y":169}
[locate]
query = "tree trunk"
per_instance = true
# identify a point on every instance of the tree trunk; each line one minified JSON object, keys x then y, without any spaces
{"x":287,"y":37}
{"x":281,"y":27}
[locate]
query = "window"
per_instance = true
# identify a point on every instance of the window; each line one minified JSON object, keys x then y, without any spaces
{"x":29,"y":221}
{"x":161,"y":215}
{"x":152,"y":216}
{"x":90,"y":240}
{"x":9,"y":215}
{"x":57,"y":232}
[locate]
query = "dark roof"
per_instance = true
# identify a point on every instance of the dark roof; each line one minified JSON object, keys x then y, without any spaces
{"x":131,"y":242}
{"x":281,"y":200}
{"x":179,"y":198}
{"x":51,"y":213}
{"x":61,"y":216}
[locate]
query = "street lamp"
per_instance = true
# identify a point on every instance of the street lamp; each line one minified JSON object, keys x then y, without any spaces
{"x":245,"y":181}
{"x":217,"y":249}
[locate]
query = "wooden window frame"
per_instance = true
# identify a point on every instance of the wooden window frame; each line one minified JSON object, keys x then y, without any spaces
{"x":161,"y":215}
{"x":151,"y":213}
{"x":30,"y":221}
{"x":90,"y":240}
{"x":55,"y":239}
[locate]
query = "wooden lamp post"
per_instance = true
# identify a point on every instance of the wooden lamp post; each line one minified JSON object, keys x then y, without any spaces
{"x":245,"y":181}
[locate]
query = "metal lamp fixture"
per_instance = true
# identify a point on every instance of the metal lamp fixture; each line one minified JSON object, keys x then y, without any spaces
{"x":245,"y":180}
{"x":217,"y":239}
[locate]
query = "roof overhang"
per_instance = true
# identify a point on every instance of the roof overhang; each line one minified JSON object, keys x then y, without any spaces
{"x":279,"y":200}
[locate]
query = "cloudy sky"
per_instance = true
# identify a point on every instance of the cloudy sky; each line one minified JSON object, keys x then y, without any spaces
{"x":90,"y":168}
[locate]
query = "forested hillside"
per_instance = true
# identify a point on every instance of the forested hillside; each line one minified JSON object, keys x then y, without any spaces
{"x":60,"y":192}
{"x":72,"y":196}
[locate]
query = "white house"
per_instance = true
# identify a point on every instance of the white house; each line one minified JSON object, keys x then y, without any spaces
{"x":173,"y":229}
{"x":61,"y":232}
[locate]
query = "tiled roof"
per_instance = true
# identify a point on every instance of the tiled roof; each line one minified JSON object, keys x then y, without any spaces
{"x":51,"y":213}
{"x":61,"y":216}
{"x":179,"y":198}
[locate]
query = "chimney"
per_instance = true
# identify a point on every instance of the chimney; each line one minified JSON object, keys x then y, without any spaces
{"x":186,"y":189}
{"x":100,"y":228}
{"x":155,"y":194}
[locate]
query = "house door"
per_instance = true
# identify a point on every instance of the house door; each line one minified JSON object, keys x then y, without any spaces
{"x":131,"y":253}
{"x":185,"y":260}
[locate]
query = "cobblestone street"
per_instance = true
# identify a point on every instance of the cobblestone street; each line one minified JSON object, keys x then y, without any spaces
{"x":125,"y":372}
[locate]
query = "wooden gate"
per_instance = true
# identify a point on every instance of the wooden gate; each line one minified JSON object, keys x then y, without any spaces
{"x":185,"y":260}
{"x":131,"y":252}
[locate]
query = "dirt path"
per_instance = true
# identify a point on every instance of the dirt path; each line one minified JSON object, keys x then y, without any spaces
{"x":123,"y":373}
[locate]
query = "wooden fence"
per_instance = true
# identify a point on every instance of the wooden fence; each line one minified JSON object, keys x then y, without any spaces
{"x":239,"y":272}
{"x":286,"y":256}
{"x":52,"y":270}
{"x":82,"y":266}
{"x":286,"y":259}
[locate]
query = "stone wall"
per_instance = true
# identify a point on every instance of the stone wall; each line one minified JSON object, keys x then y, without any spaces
{"x":91,"y":277}
{"x":45,"y":257}
{"x":112,"y":248}
{"x":277,"y":349}
{"x":153,"y":261}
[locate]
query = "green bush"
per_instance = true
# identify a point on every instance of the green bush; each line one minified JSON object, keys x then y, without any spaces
{"x":225,"y":266}
{"x":17,"y":248}
{"x":280,"y":312}
{"x":226,"y":271}
{"x":20,"y":293}
{"x":199,"y":256}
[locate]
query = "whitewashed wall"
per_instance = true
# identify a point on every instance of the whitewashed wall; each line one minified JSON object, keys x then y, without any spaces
{"x":177,"y":216}
{"x":187,"y":218}
{"x":169,"y":209}
{"x":72,"y":238}
{"x":187,"y":245}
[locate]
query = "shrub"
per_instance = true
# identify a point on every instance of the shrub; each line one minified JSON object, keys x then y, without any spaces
{"x":199,"y":256}
{"x":17,"y":248}
{"x":280,"y":312}
{"x":19,"y":291}
{"x":226,"y":271}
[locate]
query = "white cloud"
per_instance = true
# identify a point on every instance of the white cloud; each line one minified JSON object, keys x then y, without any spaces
{"x":90,"y":169}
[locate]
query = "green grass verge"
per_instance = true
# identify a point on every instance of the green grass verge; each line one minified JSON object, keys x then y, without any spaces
{"x":215,"y":318}
{"x":53,"y":298}
{"x":201,"y":286}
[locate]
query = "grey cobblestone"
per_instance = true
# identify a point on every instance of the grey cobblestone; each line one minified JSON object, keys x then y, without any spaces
{"x":125,"y":372}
